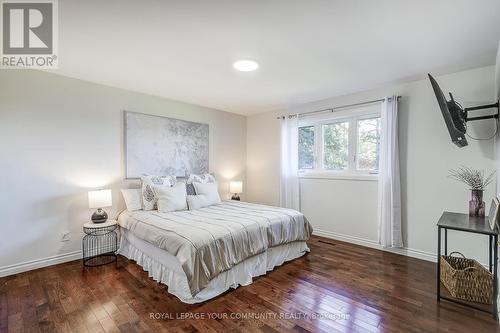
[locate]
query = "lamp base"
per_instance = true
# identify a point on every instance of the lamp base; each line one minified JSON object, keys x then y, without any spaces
{"x":99,"y":216}
{"x":235,"y":197}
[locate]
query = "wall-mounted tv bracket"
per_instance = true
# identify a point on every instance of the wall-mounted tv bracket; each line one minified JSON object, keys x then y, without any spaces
{"x":482,"y":107}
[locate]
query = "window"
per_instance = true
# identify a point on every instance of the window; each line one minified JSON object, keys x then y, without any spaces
{"x":368,"y":144}
{"x":346,"y":145}
{"x":335,"y":146}
{"x":306,"y":147}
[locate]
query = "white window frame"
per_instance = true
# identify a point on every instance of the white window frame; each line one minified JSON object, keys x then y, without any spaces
{"x":351,"y":172}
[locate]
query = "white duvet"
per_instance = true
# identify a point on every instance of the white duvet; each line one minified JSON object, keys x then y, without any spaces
{"x":211,"y":240}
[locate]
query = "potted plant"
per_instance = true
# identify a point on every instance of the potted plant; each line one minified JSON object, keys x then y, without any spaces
{"x":477,"y":182}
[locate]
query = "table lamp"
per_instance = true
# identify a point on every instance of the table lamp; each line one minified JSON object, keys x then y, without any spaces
{"x":99,"y":199}
{"x":236,"y":187}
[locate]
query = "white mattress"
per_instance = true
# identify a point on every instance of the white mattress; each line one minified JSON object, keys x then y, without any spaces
{"x":166,"y":268}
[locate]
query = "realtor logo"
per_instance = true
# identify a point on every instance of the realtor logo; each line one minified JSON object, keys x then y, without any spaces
{"x":29,"y":34}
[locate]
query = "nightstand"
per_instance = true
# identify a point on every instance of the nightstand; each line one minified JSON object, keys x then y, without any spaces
{"x":100,"y":243}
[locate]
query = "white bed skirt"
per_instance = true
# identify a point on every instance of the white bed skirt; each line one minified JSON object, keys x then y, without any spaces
{"x":165,"y":268}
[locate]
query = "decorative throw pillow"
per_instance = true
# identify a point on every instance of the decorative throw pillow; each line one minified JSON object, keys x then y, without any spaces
{"x":171,"y":198}
{"x":193,"y":178}
{"x":149,"y":197}
{"x":190,"y":189}
{"x":197,"y":201}
{"x":132,"y":199}
{"x":210,"y":190}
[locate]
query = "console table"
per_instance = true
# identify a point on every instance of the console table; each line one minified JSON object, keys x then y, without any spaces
{"x":477,"y":225}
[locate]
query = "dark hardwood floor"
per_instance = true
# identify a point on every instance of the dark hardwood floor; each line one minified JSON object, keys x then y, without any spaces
{"x":338,"y":287}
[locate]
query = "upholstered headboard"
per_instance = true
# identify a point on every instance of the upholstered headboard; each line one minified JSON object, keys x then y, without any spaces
{"x":136,"y":183}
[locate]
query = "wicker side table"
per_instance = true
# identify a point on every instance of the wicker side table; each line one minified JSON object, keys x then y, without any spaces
{"x":100,"y":243}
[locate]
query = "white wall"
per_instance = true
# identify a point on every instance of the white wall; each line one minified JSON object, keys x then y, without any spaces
{"x":340,"y":207}
{"x":263,"y":158}
{"x":497,"y":74}
{"x":60,"y":137}
{"x":497,"y":138}
{"x":426,"y":155}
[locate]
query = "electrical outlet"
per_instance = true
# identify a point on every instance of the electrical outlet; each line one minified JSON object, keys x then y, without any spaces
{"x":65,"y":236}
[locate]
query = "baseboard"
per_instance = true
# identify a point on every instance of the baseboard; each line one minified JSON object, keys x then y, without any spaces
{"x":424,"y":255}
{"x":428,"y":256}
{"x":39,"y":263}
{"x":347,"y":238}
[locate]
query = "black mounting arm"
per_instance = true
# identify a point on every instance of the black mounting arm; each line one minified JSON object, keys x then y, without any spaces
{"x":482,"y":107}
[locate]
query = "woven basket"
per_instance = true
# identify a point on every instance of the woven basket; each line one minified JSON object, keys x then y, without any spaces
{"x":466,"y":279}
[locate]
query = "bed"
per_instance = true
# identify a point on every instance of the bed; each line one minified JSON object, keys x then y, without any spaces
{"x":201,"y":253}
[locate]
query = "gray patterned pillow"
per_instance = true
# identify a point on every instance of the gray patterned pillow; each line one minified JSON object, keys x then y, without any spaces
{"x":149,"y":197}
{"x":205,"y":178}
{"x":190,"y":190}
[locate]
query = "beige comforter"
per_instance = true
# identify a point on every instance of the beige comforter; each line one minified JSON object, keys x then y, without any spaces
{"x":211,"y":240}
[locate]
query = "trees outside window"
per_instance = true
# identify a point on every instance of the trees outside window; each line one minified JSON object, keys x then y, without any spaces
{"x":336,"y":146}
{"x":306,"y":147}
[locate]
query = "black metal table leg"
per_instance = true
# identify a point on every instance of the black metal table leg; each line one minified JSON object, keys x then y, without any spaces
{"x":445,"y":242}
{"x":495,"y":277}
{"x":438,"y":267}
{"x":489,"y":252}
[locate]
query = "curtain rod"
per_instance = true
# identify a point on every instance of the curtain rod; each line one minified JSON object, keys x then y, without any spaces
{"x":337,"y":107}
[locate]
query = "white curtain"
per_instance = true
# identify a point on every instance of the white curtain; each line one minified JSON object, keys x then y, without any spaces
{"x":289,"y":192}
{"x":389,"y":187}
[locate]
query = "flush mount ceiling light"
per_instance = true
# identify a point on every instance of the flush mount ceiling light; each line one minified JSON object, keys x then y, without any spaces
{"x":246,"y":65}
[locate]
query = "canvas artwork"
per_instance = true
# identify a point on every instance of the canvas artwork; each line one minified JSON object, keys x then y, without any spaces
{"x":156,"y":145}
{"x":493,"y":215}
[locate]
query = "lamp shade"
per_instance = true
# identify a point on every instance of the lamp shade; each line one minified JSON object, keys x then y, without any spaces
{"x":236,"y":187}
{"x":100,"y":199}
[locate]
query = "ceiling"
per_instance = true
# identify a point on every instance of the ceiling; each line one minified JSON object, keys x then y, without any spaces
{"x":307,"y":50}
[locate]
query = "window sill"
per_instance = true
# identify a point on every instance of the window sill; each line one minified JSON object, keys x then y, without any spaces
{"x":339,"y":176}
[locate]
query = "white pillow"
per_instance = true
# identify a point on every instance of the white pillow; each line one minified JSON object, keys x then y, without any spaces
{"x":197,"y":201}
{"x":210,"y":190}
{"x":172,"y":198}
{"x":149,"y":197}
{"x":132,"y":199}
